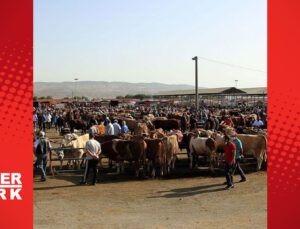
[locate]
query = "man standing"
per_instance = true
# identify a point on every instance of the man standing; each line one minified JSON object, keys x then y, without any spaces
{"x":117,"y":128}
{"x":124,"y":127}
{"x":258,"y":123}
{"x":109,"y":128}
{"x":239,"y":153}
{"x":93,"y":150}
{"x":42,"y":147}
{"x":230,"y":152}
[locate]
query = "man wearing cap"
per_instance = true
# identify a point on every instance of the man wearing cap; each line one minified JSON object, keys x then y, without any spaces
{"x":239,"y":153}
{"x":93,"y":150}
{"x":230,"y":152}
{"x":117,"y":128}
{"x":42,"y":147}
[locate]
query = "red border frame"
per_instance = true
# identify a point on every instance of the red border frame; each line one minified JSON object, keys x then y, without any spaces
{"x":16,"y":61}
{"x":16,"y":70}
{"x":283,"y":109}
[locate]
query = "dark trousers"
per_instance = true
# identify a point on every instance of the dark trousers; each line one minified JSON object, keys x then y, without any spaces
{"x":238,"y":168}
{"x":228,"y":174}
{"x":92,"y":163}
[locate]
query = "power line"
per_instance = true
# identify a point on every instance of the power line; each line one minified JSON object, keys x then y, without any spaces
{"x":231,"y":65}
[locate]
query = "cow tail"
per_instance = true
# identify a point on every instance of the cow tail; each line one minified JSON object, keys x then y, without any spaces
{"x":265,"y":153}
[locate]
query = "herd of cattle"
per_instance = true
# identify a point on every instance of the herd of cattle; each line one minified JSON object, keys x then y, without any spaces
{"x":154,"y":142}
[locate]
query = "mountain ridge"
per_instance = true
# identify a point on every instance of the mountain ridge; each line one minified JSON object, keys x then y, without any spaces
{"x":102,"y":89}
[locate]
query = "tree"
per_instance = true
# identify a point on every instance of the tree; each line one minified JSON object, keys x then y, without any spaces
{"x":42,"y":97}
{"x":120,"y":97}
{"x":35,"y":98}
{"x":128,"y":96}
{"x":49,"y":97}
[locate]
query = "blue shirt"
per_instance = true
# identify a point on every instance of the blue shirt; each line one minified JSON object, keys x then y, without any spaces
{"x":124,"y":129}
{"x":239,"y":146}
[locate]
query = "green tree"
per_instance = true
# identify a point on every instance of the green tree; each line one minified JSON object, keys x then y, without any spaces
{"x":120,"y":97}
{"x":128,"y":96}
{"x":49,"y":97}
{"x":35,"y":98}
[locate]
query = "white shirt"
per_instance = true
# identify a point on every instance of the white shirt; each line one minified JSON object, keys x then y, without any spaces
{"x":93,"y":146}
{"x":117,"y":128}
{"x":35,"y":117}
{"x":258,"y":123}
{"x":47,"y":118}
{"x":109,"y":129}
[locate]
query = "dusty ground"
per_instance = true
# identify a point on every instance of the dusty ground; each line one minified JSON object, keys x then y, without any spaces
{"x":187,"y":199}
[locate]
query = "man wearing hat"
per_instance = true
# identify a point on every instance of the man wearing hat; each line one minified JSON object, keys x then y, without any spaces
{"x":42,"y":147}
{"x":239,"y":153}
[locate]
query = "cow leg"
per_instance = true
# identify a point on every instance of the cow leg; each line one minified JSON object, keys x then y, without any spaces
{"x":122,"y":167}
{"x":148,"y":166}
{"x":153,"y":171}
{"x":173,"y":162}
{"x":259,"y":162}
{"x":118,"y":167}
{"x":137,"y":168}
{"x":61,"y":162}
{"x":68,"y":164}
{"x":196,"y":158}
{"x":110,"y":163}
{"x":100,"y":163}
{"x":191,"y":161}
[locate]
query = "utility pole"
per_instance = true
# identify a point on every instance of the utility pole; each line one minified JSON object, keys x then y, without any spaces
{"x":196,"y":82}
{"x":75,"y":88}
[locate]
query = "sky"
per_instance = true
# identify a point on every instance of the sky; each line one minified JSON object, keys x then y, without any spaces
{"x":151,"y":41}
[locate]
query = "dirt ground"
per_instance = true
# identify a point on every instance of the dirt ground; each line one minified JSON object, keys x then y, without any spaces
{"x":186,"y":199}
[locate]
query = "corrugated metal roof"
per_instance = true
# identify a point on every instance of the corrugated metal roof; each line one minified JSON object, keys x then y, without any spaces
{"x":256,"y":90}
{"x":203,"y":91}
{"x":215,"y":91}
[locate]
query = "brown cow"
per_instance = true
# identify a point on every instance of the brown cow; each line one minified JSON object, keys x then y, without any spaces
{"x":172,"y":148}
{"x":254,"y":145}
{"x":141,"y":128}
{"x":157,"y":155}
{"x":130,"y":150}
{"x":167,"y":124}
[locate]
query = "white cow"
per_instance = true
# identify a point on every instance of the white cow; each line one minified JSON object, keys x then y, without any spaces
{"x":73,"y":141}
{"x":202,"y":146}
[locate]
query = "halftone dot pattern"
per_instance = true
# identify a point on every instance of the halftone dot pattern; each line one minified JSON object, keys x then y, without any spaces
{"x":283,"y":142}
{"x":16,"y":92}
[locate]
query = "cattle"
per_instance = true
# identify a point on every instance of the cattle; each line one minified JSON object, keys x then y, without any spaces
{"x":126,"y":150}
{"x":104,"y":138}
{"x":72,"y":141}
{"x":172,"y":148}
{"x":220,"y":145}
{"x":141,"y":128}
{"x":100,"y":129}
{"x":254,"y":145}
{"x":149,"y":117}
{"x":159,"y":133}
{"x":167,"y":124}
{"x":78,"y":124}
{"x":131,"y":123}
{"x":156,"y":154}
{"x":202,"y":146}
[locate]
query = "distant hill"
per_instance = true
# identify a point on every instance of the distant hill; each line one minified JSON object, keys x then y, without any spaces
{"x":101,"y":89}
